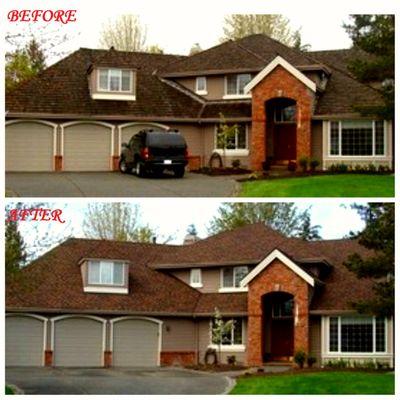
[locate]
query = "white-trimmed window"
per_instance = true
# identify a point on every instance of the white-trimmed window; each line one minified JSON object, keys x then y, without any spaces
{"x":235,"y":334}
{"x":235,"y":84}
{"x":106,"y":273}
{"x":357,"y":138}
{"x":201,"y":85}
{"x":115,"y":80}
{"x":232,"y":276}
{"x":357,"y":334}
{"x":195,"y":277}
{"x":237,"y":141}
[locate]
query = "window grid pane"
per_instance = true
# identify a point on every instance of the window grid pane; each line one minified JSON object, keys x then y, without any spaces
{"x":232,"y":336}
{"x":241,"y":136}
{"x":106,"y":272}
{"x":233,"y":142}
{"x":231,"y":84}
{"x":380,"y":335}
{"x":237,"y":331}
{"x":103,"y":79}
{"x":195,"y":276}
{"x":243,"y":80}
{"x":379,"y":138}
{"x":227,"y":277}
{"x":356,"y":138}
{"x":94,"y":272}
{"x":118,"y":273}
{"x":356,"y":335}
{"x":333,"y":334}
{"x":201,"y":83}
{"x":334,"y":139}
{"x":240,"y":273}
{"x":126,"y":81}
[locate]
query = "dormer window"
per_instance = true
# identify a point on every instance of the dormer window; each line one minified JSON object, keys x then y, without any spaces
{"x":106,"y":273}
{"x":201,"y":85}
{"x":115,"y":80}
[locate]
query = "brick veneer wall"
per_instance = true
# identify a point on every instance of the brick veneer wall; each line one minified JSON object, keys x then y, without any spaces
{"x":181,"y":358}
{"x":280,"y":83}
{"x":276,"y":277}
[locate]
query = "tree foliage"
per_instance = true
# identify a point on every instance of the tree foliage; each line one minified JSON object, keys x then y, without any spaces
{"x":116,"y":221}
{"x":220,"y":328}
{"x":237,"y":26}
{"x":155,"y":49}
{"x":23,"y":64}
{"x":283,"y":217}
{"x":307,"y":231}
{"x":378,"y":236}
{"x":375,"y":35}
{"x":196,"y":48}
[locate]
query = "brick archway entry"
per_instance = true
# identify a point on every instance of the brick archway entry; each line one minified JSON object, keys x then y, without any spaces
{"x":276,"y":278}
{"x":280,"y":83}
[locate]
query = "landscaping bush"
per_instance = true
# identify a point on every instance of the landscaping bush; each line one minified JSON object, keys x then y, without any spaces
{"x":231,"y":360}
{"x":303,"y":162}
{"x":235,"y":163}
{"x":314,"y":164}
{"x":311,"y":361}
{"x":292,"y":166}
{"x":338,"y":364}
{"x":300,"y":358}
{"x":371,"y":168}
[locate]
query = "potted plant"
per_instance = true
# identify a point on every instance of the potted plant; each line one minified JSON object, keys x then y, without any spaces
{"x":303,"y":162}
{"x":314,"y":164}
{"x":300,"y":358}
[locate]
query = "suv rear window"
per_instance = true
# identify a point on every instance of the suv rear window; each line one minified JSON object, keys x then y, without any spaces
{"x":165,"y":139}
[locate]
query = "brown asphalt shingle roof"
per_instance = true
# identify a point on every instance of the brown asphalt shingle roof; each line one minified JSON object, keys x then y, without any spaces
{"x":53,"y":282}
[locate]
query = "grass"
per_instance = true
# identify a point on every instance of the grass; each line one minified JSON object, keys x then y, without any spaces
{"x":330,"y":382}
{"x":346,"y":185}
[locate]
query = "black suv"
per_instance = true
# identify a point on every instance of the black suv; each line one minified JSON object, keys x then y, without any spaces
{"x":154,"y":151}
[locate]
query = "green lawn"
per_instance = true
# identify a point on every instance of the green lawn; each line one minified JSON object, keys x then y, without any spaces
{"x":329,"y":382}
{"x":346,"y":185}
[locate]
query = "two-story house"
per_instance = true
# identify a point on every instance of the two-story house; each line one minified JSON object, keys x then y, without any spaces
{"x":285,"y":104}
{"x":93,"y":303}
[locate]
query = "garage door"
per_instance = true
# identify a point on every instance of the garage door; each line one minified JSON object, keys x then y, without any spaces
{"x":135,"y":343}
{"x":24,"y":341}
{"x":129,"y":131}
{"x":87,"y":147}
{"x":78,"y":342}
{"x":29,"y":147}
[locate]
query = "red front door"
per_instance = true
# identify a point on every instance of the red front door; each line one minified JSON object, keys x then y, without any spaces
{"x":285,"y":142}
{"x":281,"y":338}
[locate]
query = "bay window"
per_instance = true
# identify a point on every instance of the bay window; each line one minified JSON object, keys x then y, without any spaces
{"x":357,"y":334}
{"x":356,"y":138}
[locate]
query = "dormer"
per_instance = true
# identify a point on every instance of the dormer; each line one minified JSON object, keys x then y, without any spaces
{"x":105,"y":276}
{"x":112,"y":83}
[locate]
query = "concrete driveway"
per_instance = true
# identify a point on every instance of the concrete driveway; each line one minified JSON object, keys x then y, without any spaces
{"x":116,"y":381}
{"x":115,"y":184}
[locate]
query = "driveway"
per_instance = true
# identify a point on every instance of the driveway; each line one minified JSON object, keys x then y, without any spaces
{"x":116,"y":381}
{"x":115,"y":184}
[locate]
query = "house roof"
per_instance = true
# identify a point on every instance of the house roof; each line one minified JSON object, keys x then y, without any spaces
{"x":53,"y":281}
{"x":62,"y":89}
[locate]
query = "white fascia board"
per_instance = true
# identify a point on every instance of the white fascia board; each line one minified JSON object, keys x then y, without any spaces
{"x":289,"y":67}
{"x":276,"y":254}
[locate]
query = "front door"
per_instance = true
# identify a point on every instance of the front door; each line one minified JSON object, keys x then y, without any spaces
{"x":281,"y":338}
{"x":285,"y":142}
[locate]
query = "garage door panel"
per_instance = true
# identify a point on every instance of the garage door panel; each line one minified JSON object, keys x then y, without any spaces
{"x":135,"y":343}
{"x":29,"y":147}
{"x":78,"y":342}
{"x":24,"y":341}
{"x":87,"y":147}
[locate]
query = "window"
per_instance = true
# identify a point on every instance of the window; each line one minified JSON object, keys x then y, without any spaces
{"x":115,"y":80}
{"x":195,"y":277}
{"x":237,"y":140}
{"x":234,"y":336}
{"x":357,"y":138}
{"x":201,"y":85}
{"x":235,"y":84}
{"x":357,"y":334}
{"x":283,"y":309}
{"x":285,"y":114}
{"x":231,"y":277}
{"x":106,"y":273}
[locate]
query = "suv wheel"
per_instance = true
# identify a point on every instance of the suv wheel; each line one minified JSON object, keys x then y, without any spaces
{"x":179,"y":172}
{"x":140,"y":171}
{"x":123,"y":166}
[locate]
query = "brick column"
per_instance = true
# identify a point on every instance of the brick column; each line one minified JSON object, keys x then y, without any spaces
{"x":48,"y":358}
{"x":107,"y":359}
{"x":58,"y":163}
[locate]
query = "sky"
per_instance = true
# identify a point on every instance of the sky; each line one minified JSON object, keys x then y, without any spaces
{"x":171,"y":217}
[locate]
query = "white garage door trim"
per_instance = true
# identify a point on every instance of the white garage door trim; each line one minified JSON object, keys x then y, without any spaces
{"x":39,"y":317}
{"x":128,"y":124}
{"x":156,"y":321}
{"x":43,"y":122}
{"x":61,"y":317}
{"x":72,"y":123}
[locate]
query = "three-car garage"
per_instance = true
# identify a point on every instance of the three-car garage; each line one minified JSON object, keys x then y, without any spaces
{"x":82,"y":341}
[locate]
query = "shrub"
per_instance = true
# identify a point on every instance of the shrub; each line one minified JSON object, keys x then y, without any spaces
{"x":338,"y":363}
{"x":314,"y":164}
{"x":342,"y":168}
{"x":303,"y":162}
{"x":299,"y":358}
{"x":292,"y":166}
{"x":311,"y":361}
{"x":231,"y":360}
{"x":235,"y":163}
{"x":371,"y":168}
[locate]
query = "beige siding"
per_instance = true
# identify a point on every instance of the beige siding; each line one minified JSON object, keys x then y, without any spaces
{"x":29,"y":147}
{"x":24,"y":341}
{"x":183,"y":275}
{"x":135,"y":343}
{"x":315,"y":338}
{"x":87,"y":147}
{"x":210,"y":278}
{"x":316,"y":141}
{"x":193,"y":136}
{"x":78,"y":342}
{"x":178,"y":334}
{"x":215,"y":86}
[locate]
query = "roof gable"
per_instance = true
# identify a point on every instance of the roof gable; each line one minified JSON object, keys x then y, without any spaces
{"x":277,"y":254}
{"x":279,"y":61}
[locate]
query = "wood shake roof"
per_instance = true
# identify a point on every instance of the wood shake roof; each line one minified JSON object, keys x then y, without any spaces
{"x":53,"y":282}
{"x":62,"y":89}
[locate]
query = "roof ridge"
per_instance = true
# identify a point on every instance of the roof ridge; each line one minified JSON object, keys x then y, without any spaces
{"x":134,"y":52}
